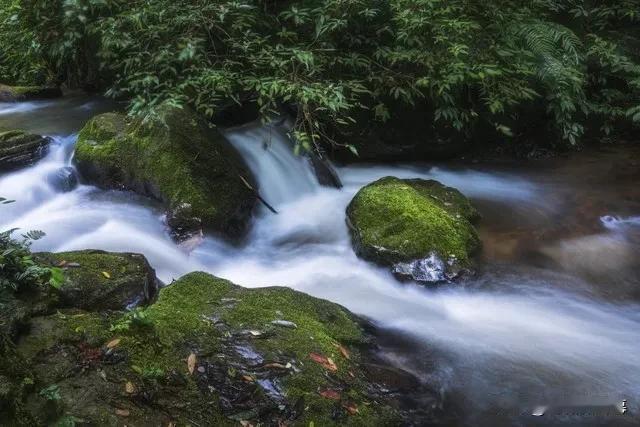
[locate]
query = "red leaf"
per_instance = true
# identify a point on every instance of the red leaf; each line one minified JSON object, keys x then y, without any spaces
{"x":326,"y":363}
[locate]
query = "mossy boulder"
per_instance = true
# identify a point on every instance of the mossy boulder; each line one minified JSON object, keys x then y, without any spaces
{"x":28,"y":93}
{"x":175,"y":157}
{"x":98,"y":280}
{"x":420,"y":228}
{"x":19,"y":149}
{"x":208,"y":353}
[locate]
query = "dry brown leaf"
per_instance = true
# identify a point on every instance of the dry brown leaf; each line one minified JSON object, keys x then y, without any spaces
{"x":113,"y":343}
{"x":130,"y":388}
{"x":122,"y":412}
{"x":191,"y":363}
{"x":343,"y":351}
{"x":106,"y":274}
{"x":248,"y":378}
{"x":351,"y":408}
{"x":326,"y":362}
{"x":330,"y":394}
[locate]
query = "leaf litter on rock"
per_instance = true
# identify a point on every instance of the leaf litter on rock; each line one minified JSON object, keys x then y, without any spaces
{"x":326,"y":362}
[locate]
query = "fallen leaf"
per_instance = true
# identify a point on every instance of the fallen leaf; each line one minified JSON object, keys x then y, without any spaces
{"x":326,"y":362}
{"x":343,"y":351}
{"x":351,"y":408}
{"x":255,"y":333}
{"x":352,"y":375}
{"x":130,"y":388}
{"x":248,"y":378}
{"x":245,"y":423}
{"x":107,"y":275}
{"x":191,"y":363}
{"x":122,"y":412}
{"x":61,"y":263}
{"x":330,"y":394}
{"x":113,"y":343}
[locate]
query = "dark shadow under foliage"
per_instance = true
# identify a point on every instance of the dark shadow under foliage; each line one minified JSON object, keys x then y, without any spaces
{"x":461,"y":69}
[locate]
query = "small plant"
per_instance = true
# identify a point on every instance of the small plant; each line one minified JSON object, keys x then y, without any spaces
{"x":18,"y":270}
{"x":51,"y":393}
{"x":149,"y":373}
{"x":134,"y":318}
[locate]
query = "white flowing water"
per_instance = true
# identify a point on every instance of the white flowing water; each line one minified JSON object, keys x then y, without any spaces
{"x":516,"y":337}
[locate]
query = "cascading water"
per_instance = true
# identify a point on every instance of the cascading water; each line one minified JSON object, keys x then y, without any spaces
{"x":516,"y":337}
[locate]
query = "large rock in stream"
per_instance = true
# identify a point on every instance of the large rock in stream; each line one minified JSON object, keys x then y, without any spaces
{"x":420,"y":228}
{"x":175,"y":157}
{"x":19,"y":149}
{"x":206,"y":353}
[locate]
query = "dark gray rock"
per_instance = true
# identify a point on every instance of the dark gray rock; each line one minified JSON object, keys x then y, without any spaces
{"x":19,"y":149}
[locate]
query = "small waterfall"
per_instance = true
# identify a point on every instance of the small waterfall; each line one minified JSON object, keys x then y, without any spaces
{"x":282,"y":176}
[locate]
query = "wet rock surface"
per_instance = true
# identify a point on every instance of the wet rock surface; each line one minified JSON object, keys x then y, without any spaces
{"x":64,"y":179}
{"x":208,"y":353}
{"x":420,"y":228}
{"x":19,"y":149}
{"x":98,"y":280}
{"x":28,"y":93}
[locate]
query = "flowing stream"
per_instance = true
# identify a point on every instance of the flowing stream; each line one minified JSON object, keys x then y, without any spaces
{"x":553,"y":318}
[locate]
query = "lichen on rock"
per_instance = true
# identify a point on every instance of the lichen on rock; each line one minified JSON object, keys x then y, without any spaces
{"x":414,"y":224}
{"x":172,"y":156}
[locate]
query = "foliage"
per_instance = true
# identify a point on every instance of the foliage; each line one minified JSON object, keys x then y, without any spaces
{"x":20,"y":59}
{"x":134,"y":318}
{"x":18,"y":269}
{"x":51,"y":392}
{"x":475,"y":64}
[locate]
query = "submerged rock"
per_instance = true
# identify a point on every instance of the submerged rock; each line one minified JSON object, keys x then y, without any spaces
{"x":28,"y":93}
{"x":98,"y":280}
{"x":19,"y":149}
{"x":175,"y":157}
{"x":64,"y":179}
{"x":194,"y":358}
{"x":421,"y":229}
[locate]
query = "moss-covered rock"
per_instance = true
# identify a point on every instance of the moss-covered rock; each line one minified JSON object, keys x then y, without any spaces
{"x":28,"y":93}
{"x":174,"y":157}
{"x":98,"y":280}
{"x":208,"y":353}
{"x":421,"y":228}
{"x":19,"y":149}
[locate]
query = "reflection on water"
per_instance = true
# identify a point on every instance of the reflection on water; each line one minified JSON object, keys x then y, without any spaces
{"x":554,"y":311}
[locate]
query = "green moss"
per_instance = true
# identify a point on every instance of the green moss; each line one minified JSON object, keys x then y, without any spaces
{"x":399,"y":221}
{"x":173,"y":157}
{"x":184,"y":318}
